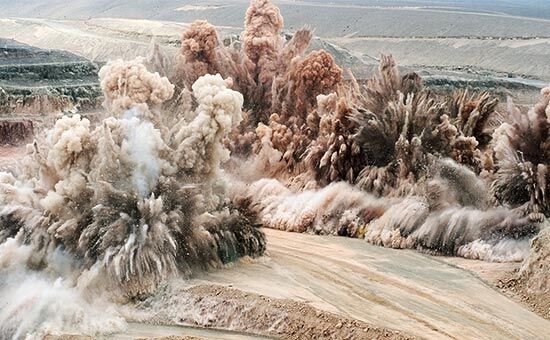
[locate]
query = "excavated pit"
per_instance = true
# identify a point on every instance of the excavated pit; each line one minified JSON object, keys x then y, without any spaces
{"x":37,"y":82}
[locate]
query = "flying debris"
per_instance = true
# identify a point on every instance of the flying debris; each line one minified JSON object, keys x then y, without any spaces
{"x":184,"y":167}
{"x":134,"y":200}
{"x":452,"y":173}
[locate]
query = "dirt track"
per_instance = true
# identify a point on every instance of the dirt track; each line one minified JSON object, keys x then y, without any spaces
{"x":396,"y":289}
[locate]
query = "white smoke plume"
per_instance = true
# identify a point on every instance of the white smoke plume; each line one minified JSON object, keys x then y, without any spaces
{"x":126,"y":84}
{"x":128,"y":202}
{"x":143,"y":144}
{"x":34,"y":304}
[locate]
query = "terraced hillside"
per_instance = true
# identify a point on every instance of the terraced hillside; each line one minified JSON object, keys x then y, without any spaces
{"x":34,"y":83}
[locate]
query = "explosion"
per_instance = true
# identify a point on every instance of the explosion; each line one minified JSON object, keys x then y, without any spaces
{"x":199,"y":49}
{"x":522,"y":154}
{"x":422,"y":163}
{"x":259,"y":132}
{"x":130,"y":200}
{"x":262,"y":39}
{"x":419,"y":165}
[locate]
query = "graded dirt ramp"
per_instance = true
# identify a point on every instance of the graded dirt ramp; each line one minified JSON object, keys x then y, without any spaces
{"x":397,"y":289}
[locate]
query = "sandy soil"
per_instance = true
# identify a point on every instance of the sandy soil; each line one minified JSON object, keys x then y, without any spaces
{"x":330,"y":18}
{"x":149,"y":331}
{"x":101,"y":39}
{"x":506,"y":278}
{"x":490,"y":272}
{"x":173,"y":337}
{"x":500,"y":55}
{"x":308,"y":285}
{"x":516,"y":289}
{"x":79,"y":337}
{"x":207,"y":305}
{"x":397,"y":289}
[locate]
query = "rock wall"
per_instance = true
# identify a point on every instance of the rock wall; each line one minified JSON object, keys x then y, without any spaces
{"x":16,"y":132}
{"x":39,"y":81}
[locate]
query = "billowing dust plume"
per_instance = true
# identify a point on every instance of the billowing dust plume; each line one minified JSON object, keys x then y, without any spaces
{"x":522,"y":155}
{"x":423,"y":170}
{"x":130,"y":201}
{"x":177,"y":180}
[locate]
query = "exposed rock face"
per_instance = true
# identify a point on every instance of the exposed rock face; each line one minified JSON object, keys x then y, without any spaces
{"x":15,"y":132}
{"x":536,"y":272}
{"x":38,"y":81}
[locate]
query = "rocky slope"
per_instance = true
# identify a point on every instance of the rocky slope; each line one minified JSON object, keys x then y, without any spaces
{"x":36,"y":81}
{"x":103,"y":39}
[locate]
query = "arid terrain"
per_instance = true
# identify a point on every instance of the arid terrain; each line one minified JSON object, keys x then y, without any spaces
{"x":417,"y":294}
{"x":307,"y":284}
{"x":358,"y":289}
{"x":446,"y":41}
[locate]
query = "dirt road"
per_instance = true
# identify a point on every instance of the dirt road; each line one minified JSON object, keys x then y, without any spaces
{"x":398,"y":289}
